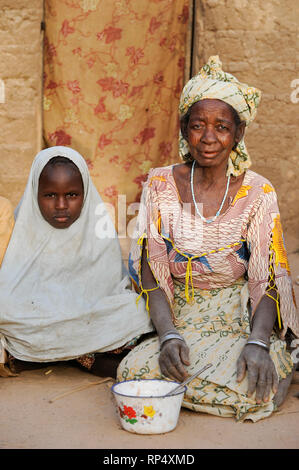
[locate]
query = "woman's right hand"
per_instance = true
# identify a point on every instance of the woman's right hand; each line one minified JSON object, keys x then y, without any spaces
{"x":173,"y":356}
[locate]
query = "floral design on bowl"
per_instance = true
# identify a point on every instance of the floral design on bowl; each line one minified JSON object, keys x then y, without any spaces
{"x":130,"y":415}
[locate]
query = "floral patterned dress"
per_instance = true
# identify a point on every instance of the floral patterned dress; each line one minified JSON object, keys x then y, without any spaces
{"x":214,"y":276}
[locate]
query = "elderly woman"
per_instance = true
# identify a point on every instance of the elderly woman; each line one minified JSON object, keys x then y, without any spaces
{"x":209,"y":256}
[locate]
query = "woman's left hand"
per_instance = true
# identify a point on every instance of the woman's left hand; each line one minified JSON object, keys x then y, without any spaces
{"x":262,"y":376}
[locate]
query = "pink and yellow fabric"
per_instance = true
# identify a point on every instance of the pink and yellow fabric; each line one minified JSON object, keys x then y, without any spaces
{"x":113,"y":74}
{"x":247,"y":240}
{"x":6,"y":225}
{"x":208,"y":273}
{"x":6,"y":228}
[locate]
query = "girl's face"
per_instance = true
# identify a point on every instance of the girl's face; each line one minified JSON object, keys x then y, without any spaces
{"x":60,"y":194}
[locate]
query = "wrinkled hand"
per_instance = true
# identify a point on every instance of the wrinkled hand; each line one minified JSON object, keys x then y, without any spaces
{"x":262,"y":376}
{"x":174,"y":355}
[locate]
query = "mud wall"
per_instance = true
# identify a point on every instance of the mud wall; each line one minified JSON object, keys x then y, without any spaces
{"x":20,"y":96}
{"x":256,"y":41}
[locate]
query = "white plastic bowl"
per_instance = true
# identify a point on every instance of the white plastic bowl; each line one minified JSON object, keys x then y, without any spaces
{"x":143,"y":409}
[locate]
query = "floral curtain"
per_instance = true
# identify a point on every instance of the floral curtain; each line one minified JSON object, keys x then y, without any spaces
{"x":113,"y":73}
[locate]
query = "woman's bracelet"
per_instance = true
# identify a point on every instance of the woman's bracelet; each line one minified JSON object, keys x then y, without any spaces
{"x":259,"y":342}
{"x":169,"y":335}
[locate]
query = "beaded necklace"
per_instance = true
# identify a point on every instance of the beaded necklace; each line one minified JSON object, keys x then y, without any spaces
{"x":208,"y":221}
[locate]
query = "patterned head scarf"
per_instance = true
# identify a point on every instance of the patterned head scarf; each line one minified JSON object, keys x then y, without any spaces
{"x":212,"y":82}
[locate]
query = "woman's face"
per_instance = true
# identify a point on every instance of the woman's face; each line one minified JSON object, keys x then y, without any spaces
{"x":60,"y":194}
{"x":212,"y":132}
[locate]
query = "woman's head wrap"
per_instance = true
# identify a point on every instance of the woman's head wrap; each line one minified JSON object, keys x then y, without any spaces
{"x":213,"y":83}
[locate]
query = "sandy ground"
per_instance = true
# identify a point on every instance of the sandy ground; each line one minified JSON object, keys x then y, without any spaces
{"x":87,"y":419}
{"x":32,"y":416}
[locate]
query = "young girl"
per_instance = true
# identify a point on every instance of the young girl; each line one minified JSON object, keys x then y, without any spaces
{"x":64,"y":293}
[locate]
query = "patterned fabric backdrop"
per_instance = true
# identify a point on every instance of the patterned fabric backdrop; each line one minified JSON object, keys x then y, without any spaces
{"x":113,"y":73}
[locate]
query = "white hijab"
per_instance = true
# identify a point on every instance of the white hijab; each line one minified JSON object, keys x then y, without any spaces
{"x":63,"y":292}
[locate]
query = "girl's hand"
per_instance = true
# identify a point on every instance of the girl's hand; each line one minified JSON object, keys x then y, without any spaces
{"x":262,"y":376}
{"x":174,"y":355}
